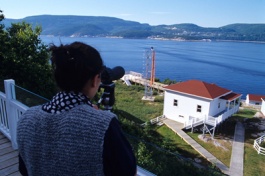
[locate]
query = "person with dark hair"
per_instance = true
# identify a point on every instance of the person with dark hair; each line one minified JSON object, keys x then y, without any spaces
{"x":68,"y":136}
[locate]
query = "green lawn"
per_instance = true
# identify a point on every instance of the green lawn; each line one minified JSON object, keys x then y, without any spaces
{"x":254,"y":163}
{"x":182,"y":147}
{"x":220,"y":153}
{"x":129,"y":100}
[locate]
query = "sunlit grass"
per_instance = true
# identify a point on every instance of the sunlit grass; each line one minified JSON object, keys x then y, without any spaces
{"x":253,"y":162}
{"x":129,"y":99}
{"x":182,"y":147}
{"x":220,"y":153}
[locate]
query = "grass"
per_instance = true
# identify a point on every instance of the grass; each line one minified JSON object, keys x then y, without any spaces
{"x":244,"y":114}
{"x":262,"y":144}
{"x":253,"y":162}
{"x":129,"y":100}
{"x":222,"y":154}
{"x":182,"y":147}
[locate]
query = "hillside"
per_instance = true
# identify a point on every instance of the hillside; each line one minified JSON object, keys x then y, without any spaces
{"x":92,"y":26}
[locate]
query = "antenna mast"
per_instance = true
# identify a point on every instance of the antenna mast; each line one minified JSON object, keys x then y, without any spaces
{"x":149,"y":74}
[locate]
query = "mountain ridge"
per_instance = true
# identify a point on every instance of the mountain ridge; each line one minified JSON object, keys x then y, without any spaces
{"x":103,"y":26}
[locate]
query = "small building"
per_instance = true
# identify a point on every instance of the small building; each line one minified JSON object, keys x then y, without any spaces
{"x":193,"y":101}
{"x":252,"y":99}
{"x":263,"y":106}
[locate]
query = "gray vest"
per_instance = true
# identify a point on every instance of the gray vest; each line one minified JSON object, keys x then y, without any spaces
{"x":70,"y":143}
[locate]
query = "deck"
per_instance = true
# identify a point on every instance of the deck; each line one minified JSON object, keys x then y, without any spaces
{"x":8,"y":158}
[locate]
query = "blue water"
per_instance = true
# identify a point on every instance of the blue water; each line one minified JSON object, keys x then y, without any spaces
{"x":239,"y":67}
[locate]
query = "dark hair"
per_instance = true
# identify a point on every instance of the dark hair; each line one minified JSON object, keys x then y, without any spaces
{"x":74,"y":65}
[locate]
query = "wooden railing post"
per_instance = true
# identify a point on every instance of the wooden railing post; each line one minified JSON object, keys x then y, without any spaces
{"x":12,"y":122}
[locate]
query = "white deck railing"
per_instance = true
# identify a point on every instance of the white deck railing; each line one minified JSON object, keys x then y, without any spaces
{"x":194,"y":121}
{"x":227,"y":114}
{"x":10,"y":112}
{"x":213,"y":121}
{"x":257,"y":146}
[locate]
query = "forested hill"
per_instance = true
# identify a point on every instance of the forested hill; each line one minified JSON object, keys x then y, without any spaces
{"x":92,"y":26}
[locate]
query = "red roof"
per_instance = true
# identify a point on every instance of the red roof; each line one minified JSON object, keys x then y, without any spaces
{"x":198,"y":88}
{"x":253,"y":97}
{"x":231,"y":96}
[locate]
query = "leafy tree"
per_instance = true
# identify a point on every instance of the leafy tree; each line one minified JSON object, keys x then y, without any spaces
{"x":25,"y":59}
{"x":4,"y":42}
{"x":168,"y":81}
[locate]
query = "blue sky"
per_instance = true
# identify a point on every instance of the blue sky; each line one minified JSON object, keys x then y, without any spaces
{"x":206,"y":13}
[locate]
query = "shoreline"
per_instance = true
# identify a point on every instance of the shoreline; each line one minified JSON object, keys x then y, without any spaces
{"x":161,"y":39}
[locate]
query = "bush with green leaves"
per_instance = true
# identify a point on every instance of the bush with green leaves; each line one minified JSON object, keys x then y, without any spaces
{"x":24,"y":58}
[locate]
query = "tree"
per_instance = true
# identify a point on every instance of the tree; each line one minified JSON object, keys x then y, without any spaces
{"x":1,"y":15}
{"x":3,"y":40}
{"x":168,"y":81}
{"x":25,"y":59}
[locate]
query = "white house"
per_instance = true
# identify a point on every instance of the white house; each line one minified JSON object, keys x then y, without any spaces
{"x":252,"y":99}
{"x":196,"y":99}
{"x":263,"y":106}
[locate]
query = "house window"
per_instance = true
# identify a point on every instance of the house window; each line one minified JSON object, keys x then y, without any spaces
{"x":175,"y":103}
{"x":199,"y":108}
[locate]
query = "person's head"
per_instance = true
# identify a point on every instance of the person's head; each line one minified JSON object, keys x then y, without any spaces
{"x":77,"y":66}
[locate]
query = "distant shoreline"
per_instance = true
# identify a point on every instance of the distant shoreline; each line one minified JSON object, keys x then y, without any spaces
{"x":241,"y":41}
{"x":167,"y":39}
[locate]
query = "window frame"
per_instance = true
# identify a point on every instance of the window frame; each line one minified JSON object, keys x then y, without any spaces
{"x":175,"y":102}
{"x":199,"y":108}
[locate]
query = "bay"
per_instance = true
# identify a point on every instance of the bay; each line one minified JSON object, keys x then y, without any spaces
{"x":237,"y":66}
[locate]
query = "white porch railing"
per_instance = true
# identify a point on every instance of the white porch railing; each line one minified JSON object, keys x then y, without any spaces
{"x":227,"y":114}
{"x":194,"y":121}
{"x":257,"y":146}
{"x":213,"y":121}
{"x":10,"y":112}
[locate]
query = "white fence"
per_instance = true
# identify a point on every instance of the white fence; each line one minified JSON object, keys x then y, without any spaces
{"x":10,"y":112}
{"x":158,"y":120}
{"x":257,"y":146}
